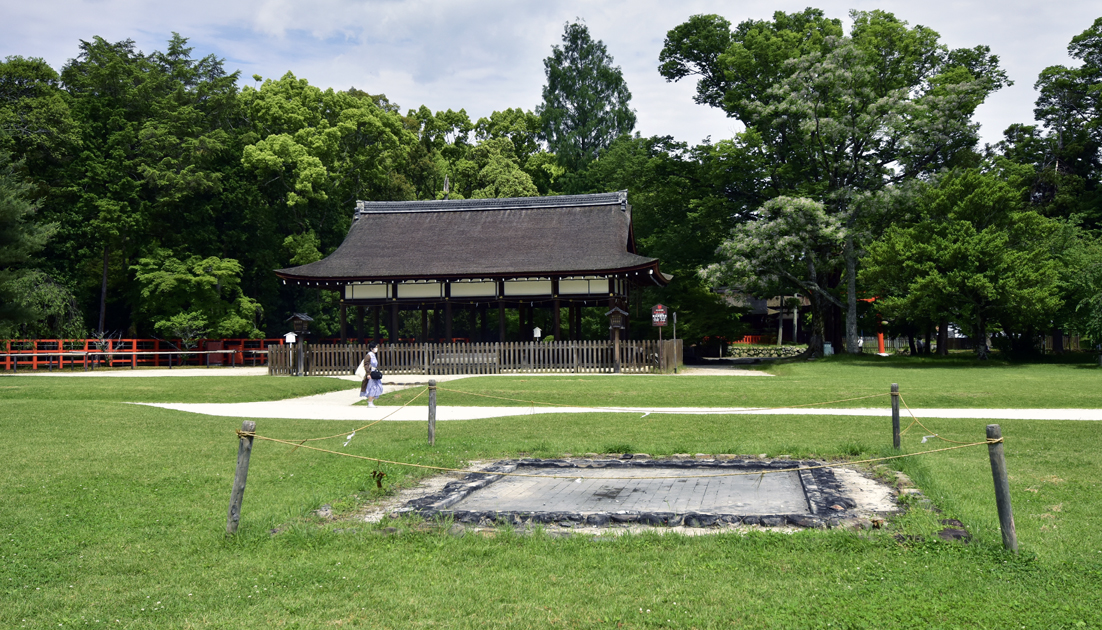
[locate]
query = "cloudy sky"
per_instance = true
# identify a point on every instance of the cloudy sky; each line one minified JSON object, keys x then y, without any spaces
{"x":483,"y":55}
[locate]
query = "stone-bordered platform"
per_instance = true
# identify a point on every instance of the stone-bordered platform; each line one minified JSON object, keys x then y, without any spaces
{"x":658,"y":492}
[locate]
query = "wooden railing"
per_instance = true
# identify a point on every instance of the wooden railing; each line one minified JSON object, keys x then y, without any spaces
{"x":440,"y":359}
{"x":49,"y":354}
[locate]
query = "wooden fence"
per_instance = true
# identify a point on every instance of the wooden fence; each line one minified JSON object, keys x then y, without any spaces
{"x":441,"y":359}
{"x":50,"y":354}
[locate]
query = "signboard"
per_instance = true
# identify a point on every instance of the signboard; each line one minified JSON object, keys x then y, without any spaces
{"x":658,"y":315}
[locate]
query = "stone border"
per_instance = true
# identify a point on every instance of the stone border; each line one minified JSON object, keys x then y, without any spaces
{"x":825,"y":496}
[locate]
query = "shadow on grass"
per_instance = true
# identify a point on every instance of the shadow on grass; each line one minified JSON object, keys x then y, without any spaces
{"x":1082,"y":360}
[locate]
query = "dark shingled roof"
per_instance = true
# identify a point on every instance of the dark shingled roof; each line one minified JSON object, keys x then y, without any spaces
{"x":526,"y":236}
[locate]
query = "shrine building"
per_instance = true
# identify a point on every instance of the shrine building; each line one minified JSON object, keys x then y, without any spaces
{"x":525,"y":253}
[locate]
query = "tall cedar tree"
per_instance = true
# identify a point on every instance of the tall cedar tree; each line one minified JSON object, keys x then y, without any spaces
{"x":585,"y":102}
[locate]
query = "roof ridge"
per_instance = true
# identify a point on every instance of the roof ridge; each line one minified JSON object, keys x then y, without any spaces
{"x":505,"y":203}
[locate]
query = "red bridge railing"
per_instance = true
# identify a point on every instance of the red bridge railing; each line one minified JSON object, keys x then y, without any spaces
{"x":48,"y":354}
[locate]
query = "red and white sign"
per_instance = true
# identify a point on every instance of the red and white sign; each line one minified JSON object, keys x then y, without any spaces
{"x":658,"y":315}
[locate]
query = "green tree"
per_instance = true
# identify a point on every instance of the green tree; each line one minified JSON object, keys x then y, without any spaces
{"x":586,"y":101}
{"x":151,"y":170}
{"x":1063,"y":150}
{"x":842,"y":119}
{"x":113,"y":88}
{"x":20,"y":238}
{"x":974,"y":254}
{"x":788,"y":248}
{"x":52,"y":310}
{"x":202,"y":295}
{"x":316,"y":152}
{"x":1088,"y":295}
{"x":684,"y":201}
{"x":310,"y":154}
{"x":36,"y":123}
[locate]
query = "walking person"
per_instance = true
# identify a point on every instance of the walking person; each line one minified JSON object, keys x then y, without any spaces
{"x":372,"y":386}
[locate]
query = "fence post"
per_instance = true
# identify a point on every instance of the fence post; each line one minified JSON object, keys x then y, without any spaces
{"x":1002,"y":487}
{"x":895,"y":415}
{"x":432,"y":412}
{"x":244,"y":449}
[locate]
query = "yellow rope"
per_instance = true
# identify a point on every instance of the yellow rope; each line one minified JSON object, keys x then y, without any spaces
{"x":301,"y":443}
{"x":244,"y":434}
{"x":916,"y":421}
{"x":657,"y":409}
{"x":343,"y":433}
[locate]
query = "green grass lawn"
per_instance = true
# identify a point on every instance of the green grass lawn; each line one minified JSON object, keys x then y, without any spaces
{"x":924,"y":382}
{"x":113,"y":514}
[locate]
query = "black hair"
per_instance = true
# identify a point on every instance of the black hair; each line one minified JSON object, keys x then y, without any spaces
{"x":372,"y":346}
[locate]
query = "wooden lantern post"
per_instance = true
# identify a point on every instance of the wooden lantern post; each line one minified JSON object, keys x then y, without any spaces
{"x":616,"y":317}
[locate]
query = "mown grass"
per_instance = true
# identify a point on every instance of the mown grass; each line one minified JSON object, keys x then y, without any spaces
{"x":953,"y":382}
{"x":204,"y":389}
{"x":113,"y":514}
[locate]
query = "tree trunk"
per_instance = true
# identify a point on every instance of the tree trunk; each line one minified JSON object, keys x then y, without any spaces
{"x":851,"y":295}
{"x":981,"y":339}
{"x":818,"y":325}
{"x":103,"y":293}
{"x":943,"y":338}
{"x":911,"y":343}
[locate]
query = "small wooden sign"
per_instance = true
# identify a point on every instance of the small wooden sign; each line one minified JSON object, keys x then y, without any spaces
{"x":658,"y":315}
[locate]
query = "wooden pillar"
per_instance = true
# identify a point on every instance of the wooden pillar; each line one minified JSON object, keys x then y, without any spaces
{"x":361,"y":332}
{"x":522,"y":321}
{"x":432,"y":412}
{"x":501,"y":322}
{"x":616,"y":350}
{"x":241,"y":474}
{"x":378,"y":331}
{"x":531,"y":325}
{"x":447,"y":322}
{"x":626,"y":333}
{"x":555,"y":316}
{"x":577,"y":323}
{"x":483,"y":312}
{"x":344,"y":323}
{"x":393,"y":323}
{"x":424,"y":323}
{"x":895,"y":415}
{"x":1002,"y":487}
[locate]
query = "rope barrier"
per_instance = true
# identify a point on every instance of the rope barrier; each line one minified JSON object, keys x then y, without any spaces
{"x":296,"y":444}
{"x":915,"y":420}
{"x":507,"y":474}
{"x":342,"y":433}
{"x":620,"y":410}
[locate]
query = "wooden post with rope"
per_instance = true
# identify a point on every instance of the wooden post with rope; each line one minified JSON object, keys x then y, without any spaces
{"x":895,"y":415}
{"x":1002,"y":487}
{"x":432,"y":412}
{"x":244,"y":449}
